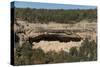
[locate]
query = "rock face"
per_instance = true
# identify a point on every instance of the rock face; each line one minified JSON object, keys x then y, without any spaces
{"x":36,"y":32}
{"x":53,"y":34}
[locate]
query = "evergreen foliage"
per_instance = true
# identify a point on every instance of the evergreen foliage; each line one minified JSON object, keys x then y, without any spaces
{"x":55,"y":15}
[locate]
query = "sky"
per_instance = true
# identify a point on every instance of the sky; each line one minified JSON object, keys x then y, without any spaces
{"x":20,"y":4}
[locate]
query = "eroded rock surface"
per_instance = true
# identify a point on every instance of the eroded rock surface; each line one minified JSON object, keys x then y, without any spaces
{"x":54,"y":34}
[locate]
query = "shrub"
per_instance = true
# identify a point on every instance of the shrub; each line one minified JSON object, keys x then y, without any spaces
{"x":26,"y":55}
